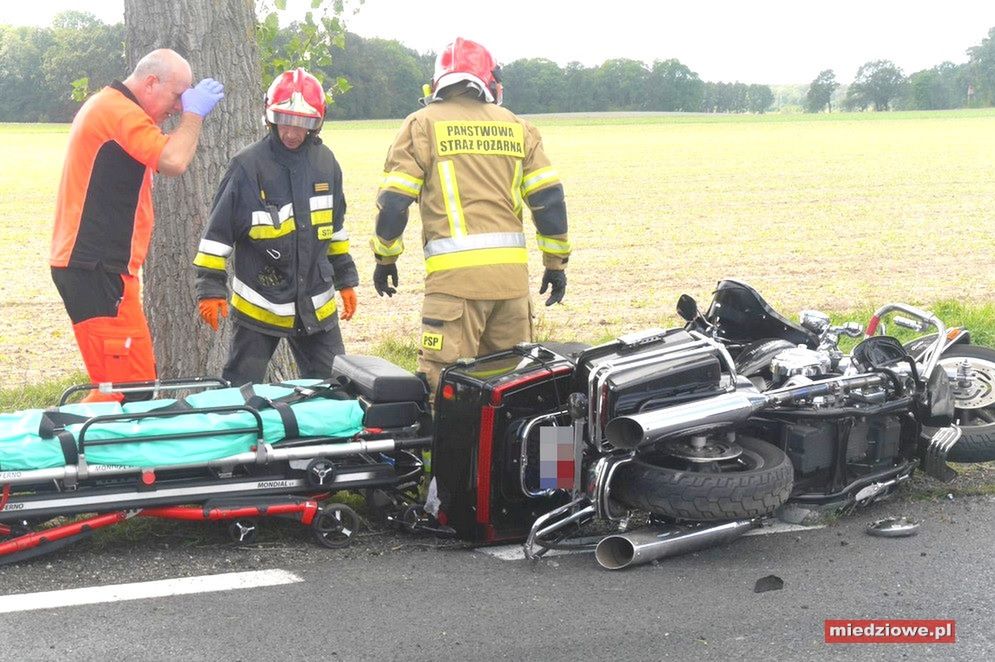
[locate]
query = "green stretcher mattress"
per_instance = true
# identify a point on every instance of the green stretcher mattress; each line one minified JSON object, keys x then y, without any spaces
{"x":22,"y":446}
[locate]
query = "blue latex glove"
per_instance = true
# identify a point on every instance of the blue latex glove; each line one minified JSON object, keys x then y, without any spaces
{"x":202,"y":97}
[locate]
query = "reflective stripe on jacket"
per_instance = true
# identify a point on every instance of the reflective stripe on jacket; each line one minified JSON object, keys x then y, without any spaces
{"x":472,"y":166}
{"x":281,"y":213}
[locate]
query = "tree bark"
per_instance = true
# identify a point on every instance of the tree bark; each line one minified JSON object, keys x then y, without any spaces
{"x":218,"y":39}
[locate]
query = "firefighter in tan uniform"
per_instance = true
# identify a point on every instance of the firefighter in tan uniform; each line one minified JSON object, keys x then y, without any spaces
{"x":473,"y":166}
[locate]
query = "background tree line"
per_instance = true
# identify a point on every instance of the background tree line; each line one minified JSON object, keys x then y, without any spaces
{"x":39,"y":67}
{"x":881,"y":85}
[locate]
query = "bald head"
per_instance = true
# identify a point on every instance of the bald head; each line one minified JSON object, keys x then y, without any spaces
{"x":164,"y":63}
{"x":158,"y":81}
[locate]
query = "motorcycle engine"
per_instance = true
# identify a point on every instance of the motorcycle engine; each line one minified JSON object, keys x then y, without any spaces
{"x":799,"y":361}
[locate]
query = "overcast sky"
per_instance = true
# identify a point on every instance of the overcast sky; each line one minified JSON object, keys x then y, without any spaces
{"x":752,"y":41}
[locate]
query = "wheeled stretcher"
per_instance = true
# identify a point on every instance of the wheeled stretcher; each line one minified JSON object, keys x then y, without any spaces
{"x":218,"y":453}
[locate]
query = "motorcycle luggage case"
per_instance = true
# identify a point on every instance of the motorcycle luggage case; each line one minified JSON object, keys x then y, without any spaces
{"x":648,"y":370}
{"x":482,"y":408}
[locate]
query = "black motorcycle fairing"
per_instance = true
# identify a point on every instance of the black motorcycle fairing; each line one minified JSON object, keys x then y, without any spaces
{"x":740,"y":315}
{"x":939,"y":408}
{"x":919,"y":346}
{"x":878,"y":352}
{"x":755,"y":358}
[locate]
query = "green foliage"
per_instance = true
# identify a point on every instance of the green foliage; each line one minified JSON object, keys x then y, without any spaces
{"x":386,"y":78}
{"x":674,"y":87}
{"x":620,"y":84}
{"x":981,"y":75}
{"x":46,"y":72}
{"x":941,"y":87}
{"x":41,"y":69}
{"x":736,"y":98}
{"x":877,"y":84}
{"x":535,"y":85}
{"x":401,"y":352}
{"x":81,"y":89}
{"x":820,"y":92}
{"x":38,"y":396}
{"x":306,"y":43}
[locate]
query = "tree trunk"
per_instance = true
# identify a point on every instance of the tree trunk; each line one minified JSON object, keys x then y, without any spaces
{"x":218,"y":39}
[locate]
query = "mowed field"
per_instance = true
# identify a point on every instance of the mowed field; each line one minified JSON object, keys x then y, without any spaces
{"x":835,"y":212}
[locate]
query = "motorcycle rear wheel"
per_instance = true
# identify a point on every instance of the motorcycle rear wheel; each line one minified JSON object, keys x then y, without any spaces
{"x":755,"y":484}
{"x":974,"y":407}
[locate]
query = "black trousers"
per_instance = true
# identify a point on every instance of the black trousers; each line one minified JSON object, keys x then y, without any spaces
{"x":251,"y":352}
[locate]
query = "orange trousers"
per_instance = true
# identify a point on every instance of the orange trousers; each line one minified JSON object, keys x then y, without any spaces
{"x":119,"y":348}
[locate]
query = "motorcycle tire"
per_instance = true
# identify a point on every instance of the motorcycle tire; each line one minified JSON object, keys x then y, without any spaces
{"x":977,"y":442}
{"x":761,"y":485}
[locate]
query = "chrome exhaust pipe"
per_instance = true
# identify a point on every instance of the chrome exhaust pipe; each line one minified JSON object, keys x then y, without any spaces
{"x":725,"y":410}
{"x":720,"y":411}
{"x":622,"y":550}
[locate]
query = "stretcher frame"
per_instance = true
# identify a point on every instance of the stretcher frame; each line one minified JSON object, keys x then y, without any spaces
{"x":290,"y":480}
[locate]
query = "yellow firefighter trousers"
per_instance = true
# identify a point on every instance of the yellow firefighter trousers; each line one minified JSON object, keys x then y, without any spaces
{"x":454,"y":328}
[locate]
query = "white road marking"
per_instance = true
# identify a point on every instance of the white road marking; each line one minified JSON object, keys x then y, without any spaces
{"x":516,"y":553}
{"x":141,"y":590}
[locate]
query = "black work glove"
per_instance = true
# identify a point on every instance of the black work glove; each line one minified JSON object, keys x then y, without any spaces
{"x":381,"y":274}
{"x":558,"y":280}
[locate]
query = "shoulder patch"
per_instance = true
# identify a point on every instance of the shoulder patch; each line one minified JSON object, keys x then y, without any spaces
{"x":321,"y":187}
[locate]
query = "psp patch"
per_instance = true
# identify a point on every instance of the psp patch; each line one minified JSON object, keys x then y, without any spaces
{"x":432,"y":341}
{"x":325,"y":232}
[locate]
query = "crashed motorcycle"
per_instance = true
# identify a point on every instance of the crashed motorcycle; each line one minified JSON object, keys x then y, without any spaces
{"x":970,"y":369}
{"x":662,"y":441}
{"x":666,"y":441}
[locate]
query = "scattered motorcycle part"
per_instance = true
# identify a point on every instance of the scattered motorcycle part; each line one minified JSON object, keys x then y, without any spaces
{"x":243,"y":531}
{"x":335,"y":526}
{"x":768,"y":583}
{"x":893,"y":527}
{"x":753,"y":484}
{"x":623,"y":550}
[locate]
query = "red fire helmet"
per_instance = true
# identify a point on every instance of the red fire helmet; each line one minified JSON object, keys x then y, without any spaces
{"x":465,"y":60}
{"x":295,"y":98}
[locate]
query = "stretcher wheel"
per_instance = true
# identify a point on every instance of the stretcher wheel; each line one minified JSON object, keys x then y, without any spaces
{"x":320,"y":473}
{"x":243,"y":531}
{"x":335,"y":525}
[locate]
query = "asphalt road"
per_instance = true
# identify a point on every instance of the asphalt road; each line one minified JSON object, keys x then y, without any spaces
{"x":393,"y":597}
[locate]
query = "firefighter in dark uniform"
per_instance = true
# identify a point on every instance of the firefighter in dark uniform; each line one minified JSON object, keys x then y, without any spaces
{"x":280,"y":210}
{"x":473,"y":166}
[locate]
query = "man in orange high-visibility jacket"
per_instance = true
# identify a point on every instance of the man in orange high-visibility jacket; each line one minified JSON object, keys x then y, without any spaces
{"x":473,"y":166}
{"x":103,"y":215}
